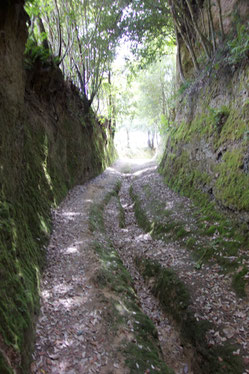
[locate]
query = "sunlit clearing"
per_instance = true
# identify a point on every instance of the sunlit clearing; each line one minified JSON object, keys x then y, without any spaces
{"x":71,"y":214}
{"x":145,"y":170}
{"x":143,"y":237}
{"x":62,"y":288}
{"x":113,"y":171}
{"x":133,"y":144}
{"x":71,"y":250}
{"x":88,"y":201}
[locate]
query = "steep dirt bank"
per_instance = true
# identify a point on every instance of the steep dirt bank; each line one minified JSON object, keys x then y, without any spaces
{"x":207,"y":150}
{"x":207,"y":147}
{"x":47,"y":145}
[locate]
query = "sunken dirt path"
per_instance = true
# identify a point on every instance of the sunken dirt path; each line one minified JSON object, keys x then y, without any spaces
{"x":88,"y":322}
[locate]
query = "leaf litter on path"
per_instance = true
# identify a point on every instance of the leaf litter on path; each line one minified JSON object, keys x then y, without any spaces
{"x":72,"y":333}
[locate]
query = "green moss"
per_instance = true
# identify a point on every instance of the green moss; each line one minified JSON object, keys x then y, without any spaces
{"x":209,"y":122}
{"x":235,"y":126}
{"x":140,"y":360}
{"x":213,"y":236}
{"x":171,"y":292}
{"x":24,"y":217}
{"x":175,"y":299}
{"x":36,"y":171}
{"x":121,"y":217}
{"x":139,"y":212}
{"x":157,"y":227}
{"x":96,"y":219}
{"x":217,"y":126}
{"x":231,"y":184}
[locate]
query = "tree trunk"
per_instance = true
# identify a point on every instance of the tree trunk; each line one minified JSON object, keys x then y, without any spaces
{"x":185,"y":38}
{"x":128,"y":138}
{"x":110,"y":96}
{"x":198,"y":32}
{"x":43,"y":31}
{"x":148,"y":141}
{"x":179,"y":58}
{"x":152,"y":140}
{"x":221,"y":21}
{"x":210,"y":17}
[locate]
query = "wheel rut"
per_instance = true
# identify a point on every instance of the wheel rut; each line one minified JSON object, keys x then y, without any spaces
{"x":102,"y":311}
{"x":130,"y":241}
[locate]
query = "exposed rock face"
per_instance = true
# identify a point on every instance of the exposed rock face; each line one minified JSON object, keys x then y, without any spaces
{"x":47,"y":145}
{"x":230,"y":9}
{"x":208,"y":146}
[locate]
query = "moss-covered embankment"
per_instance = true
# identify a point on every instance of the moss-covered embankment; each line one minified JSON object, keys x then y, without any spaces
{"x":207,"y":151}
{"x":47,"y":145}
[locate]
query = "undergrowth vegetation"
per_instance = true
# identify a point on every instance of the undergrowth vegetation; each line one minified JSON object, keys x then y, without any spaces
{"x":239,"y":44}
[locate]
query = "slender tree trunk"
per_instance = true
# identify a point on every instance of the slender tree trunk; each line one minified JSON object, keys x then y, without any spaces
{"x":210,"y":16}
{"x":179,"y":57}
{"x":153,"y":140}
{"x":128,"y":138}
{"x":110,"y":96}
{"x":198,"y":32}
{"x":202,"y":17}
{"x":58,"y":23}
{"x":184,"y":37}
{"x":221,"y":21}
{"x":148,"y":140}
{"x":43,"y":31}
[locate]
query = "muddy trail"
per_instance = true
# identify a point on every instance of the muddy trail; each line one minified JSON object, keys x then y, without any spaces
{"x":140,"y":280}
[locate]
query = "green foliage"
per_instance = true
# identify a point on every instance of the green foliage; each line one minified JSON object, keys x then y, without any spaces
{"x":183,"y":87}
{"x":239,"y":45}
{"x":150,"y":29}
{"x":82,"y":35}
{"x":34,"y":52}
{"x":136,"y":107}
{"x":218,"y":116}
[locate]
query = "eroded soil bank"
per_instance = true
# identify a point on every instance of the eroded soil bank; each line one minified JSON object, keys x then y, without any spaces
{"x":118,"y":297}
